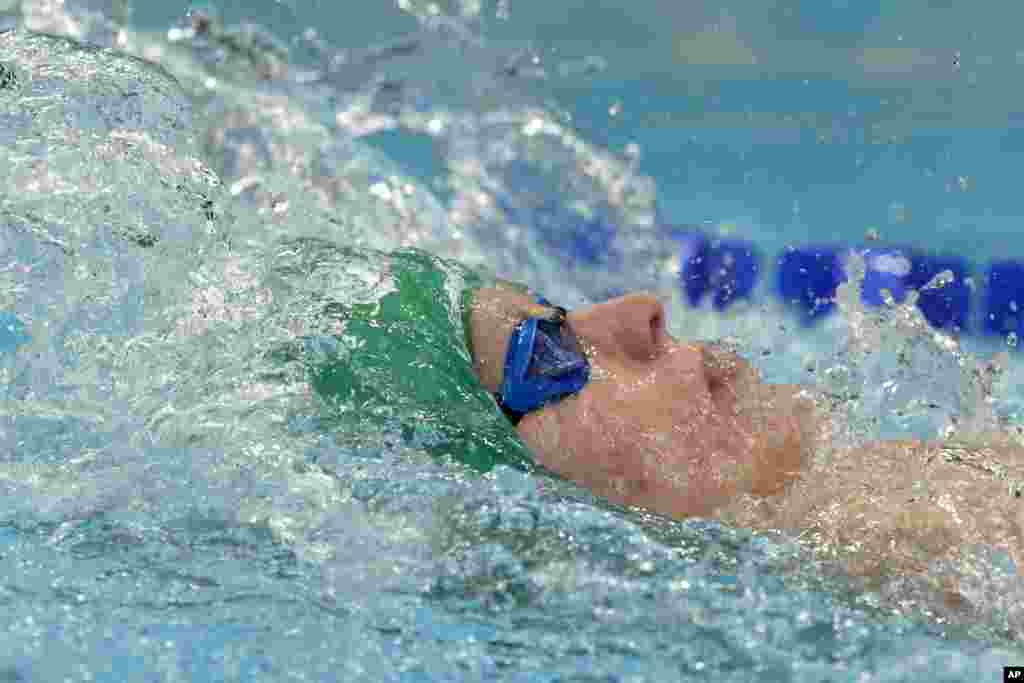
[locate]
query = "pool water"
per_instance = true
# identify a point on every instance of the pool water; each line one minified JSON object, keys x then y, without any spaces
{"x":171,"y":510}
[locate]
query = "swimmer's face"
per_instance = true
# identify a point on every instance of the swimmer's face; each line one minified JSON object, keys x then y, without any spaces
{"x":679,"y":428}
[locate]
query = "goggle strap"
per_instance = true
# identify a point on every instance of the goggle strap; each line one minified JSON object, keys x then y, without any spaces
{"x":513,"y":416}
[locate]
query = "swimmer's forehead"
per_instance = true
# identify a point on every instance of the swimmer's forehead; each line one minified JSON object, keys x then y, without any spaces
{"x":533,"y":309}
{"x":515,"y":286}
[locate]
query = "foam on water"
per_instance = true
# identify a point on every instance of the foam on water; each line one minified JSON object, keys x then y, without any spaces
{"x":169,"y":504}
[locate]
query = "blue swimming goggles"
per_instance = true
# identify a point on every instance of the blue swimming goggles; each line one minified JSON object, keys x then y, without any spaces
{"x":543,"y":364}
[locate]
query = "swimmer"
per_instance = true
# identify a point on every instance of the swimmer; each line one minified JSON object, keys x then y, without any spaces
{"x":654,"y":422}
{"x":689,"y":429}
{"x":487,"y":372}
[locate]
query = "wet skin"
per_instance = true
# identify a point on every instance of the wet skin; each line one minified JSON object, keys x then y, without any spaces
{"x":678,"y":428}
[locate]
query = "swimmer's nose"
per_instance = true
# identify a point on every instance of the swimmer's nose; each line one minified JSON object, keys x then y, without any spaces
{"x":632,"y":325}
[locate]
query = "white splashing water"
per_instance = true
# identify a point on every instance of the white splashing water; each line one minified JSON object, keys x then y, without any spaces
{"x":167,"y":503}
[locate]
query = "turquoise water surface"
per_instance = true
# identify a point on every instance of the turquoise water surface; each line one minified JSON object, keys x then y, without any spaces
{"x":170,"y":509}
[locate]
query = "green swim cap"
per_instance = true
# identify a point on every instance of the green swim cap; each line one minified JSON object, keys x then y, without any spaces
{"x":390,"y":352}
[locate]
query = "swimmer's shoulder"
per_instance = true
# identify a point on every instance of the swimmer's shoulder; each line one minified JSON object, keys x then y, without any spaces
{"x":896,"y":507}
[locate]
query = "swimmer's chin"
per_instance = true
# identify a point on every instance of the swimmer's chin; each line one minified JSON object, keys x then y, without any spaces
{"x":661,"y":472}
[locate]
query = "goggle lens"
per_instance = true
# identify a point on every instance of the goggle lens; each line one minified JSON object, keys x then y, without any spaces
{"x":555,"y":352}
{"x":543,"y":364}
